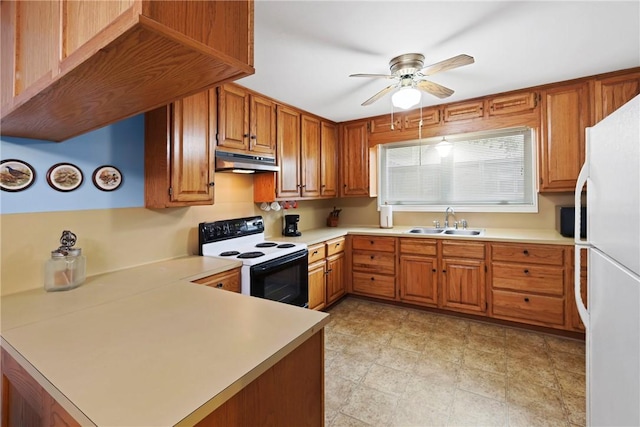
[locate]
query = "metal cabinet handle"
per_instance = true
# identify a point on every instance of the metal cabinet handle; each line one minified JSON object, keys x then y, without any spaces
{"x":526,"y":271}
{"x":526,"y":299}
{"x":372,"y":256}
{"x":526,"y":252}
{"x":220,"y":285}
{"x":372,"y":279}
{"x":433,"y":270}
{"x":211,"y":184}
{"x":314,"y":252}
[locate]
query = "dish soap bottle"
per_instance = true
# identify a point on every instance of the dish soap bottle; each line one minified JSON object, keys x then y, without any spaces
{"x":66,"y":268}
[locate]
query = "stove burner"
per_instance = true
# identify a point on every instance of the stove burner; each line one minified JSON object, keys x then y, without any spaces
{"x":286,"y":245}
{"x":229,"y":253}
{"x":266,"y":245}
{"x":255,"y":254}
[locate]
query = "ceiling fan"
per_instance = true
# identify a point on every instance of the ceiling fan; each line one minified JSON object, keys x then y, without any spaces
{"x":409,"y":72}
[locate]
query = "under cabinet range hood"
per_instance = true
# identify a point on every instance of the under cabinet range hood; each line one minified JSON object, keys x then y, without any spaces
{"x":244,"y":163}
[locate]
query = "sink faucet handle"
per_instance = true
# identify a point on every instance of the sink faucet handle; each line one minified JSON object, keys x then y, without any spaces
{"x":455,"y":224}
{"x":436,"y":224}
{"x":464,"y":223}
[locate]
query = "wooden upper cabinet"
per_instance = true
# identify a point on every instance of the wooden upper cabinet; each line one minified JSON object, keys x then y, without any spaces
{"x":179,"y":152}
{"x":564,"y":117}
{"x":70,"y":67}
{"x":402,"y":126}
{"x":463,"y":111}
{"x":354,"y":156}
{"x":288,"y":152}
{"x":512,"y":104}
{"x":246,"y":121}
{"x":310,"y":156}
{"x":328,"y":159}
{"x":613,"y":92}
{"x":233,"y":118}
{"x":262,"y":125}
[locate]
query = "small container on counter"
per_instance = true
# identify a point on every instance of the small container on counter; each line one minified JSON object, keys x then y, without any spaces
{"x":66,"y":268}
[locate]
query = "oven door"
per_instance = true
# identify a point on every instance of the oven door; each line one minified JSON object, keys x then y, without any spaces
{"x":285,"y":279}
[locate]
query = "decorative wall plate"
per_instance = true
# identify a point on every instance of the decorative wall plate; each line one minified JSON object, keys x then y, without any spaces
{"x":64,"y":177}
{"x":107,"y":178}
{"x":16,"y":175}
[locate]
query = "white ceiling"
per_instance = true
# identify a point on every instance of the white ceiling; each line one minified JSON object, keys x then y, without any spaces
{"x":305,"y":50}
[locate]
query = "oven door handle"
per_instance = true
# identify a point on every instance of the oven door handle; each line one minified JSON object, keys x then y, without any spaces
{"x":279,"y":261}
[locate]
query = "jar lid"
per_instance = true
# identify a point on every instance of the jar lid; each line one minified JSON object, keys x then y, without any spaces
{"x":63,"y":252}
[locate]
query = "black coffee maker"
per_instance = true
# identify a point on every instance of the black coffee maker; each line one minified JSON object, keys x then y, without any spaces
{"x":291,"y":225}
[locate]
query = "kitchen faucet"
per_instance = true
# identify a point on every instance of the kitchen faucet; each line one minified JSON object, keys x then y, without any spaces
{"x":448,"y":211}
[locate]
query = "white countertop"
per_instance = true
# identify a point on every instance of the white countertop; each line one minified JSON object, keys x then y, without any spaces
{"x":144,"y":346}
{"x":514,"y":235}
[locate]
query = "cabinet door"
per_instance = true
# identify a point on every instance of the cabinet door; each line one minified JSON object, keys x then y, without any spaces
{"x":328,"y":160}
{"x":25,"y":402}
{"x":614,"y":92}
{"x":310,"y":156}
{"x":317,"y":280}
{"x":355,"y":155}
{"x":565,"y":115}
{"x":192,"y":149}
{"x":262,"y":137}
{"x":288,"y":152}
{"x":335,"y":277}
{"x":227,"y":280}
{"x":419,"y":279}
{"x":463,"y":285}
{"x":233,"y":118}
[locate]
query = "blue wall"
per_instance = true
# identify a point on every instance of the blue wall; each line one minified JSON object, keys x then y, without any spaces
{"x":120,"y":145}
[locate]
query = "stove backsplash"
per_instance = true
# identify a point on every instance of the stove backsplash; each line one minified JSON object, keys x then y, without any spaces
{"x":313,"y":214}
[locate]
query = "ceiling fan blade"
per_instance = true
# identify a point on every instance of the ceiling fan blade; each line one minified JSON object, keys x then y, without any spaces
{"x":434,"y":89}
{"x":378,"y":95}
{"x":447,"y":64}
{"x":386,"y":76}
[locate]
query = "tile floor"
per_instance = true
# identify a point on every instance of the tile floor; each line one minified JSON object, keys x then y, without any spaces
{"x":392,"y":366}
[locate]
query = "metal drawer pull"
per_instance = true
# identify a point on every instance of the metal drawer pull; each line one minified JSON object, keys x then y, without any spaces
{"x":371,"y":256}
{"x":433,"y":270}
{"x":526,"y":252}
{"x":526,"y":271}
{"x":371,"y":242}
{"x":314,"y":253}
{"x":219,"y":285}
{"x":526,"y":299}
{"x":373,"y":278}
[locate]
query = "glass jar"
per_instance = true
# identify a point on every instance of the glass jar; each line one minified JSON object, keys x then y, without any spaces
{"x":66,"y":267}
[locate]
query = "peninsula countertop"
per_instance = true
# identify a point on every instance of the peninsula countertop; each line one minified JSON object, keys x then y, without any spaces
{"x":145,"y":346}
{"x":514,"y":235}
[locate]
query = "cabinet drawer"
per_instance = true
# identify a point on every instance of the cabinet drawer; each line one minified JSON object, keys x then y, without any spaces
{"x":375,"y":262}
{"x":529,"y":278}
{"x":516,"y":103}
{"x":316,"y":253}
{"x":463,"y":111}
{"x":528,"y":307}
{"x":374,"y":243}
{"x":335,"y":246}
{"x":452,"y":249}
{"x":418,"y":246}
{"x":536,"y":254}
{"x":229,"y":280}
{"x":374,"y":284}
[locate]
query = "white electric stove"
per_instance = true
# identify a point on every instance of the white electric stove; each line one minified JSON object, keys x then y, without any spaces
{"x":270,"y":269}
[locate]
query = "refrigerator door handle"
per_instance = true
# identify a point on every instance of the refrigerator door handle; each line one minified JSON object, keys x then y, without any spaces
{"x":580,"y":244}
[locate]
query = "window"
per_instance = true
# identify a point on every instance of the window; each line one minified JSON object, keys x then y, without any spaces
{"x":483,"y":172}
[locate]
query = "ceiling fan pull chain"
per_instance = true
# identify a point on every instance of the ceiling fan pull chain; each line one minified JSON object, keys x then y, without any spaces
{"x":392,"y":127}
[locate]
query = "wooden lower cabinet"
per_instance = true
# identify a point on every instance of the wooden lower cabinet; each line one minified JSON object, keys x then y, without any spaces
{"x":227,"y":280}
{"x":463,"y":285}
{"x":418,"y":279}
{"x":529,"y":283}
{"x":326,"y":273}
{"x":317,"y":285}
{"x":373,"y":266}
{"x":462,"y":277}
{"x":25,"y":402}
{"x":335,"y":277}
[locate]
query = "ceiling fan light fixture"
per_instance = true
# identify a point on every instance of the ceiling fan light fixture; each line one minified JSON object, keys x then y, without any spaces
{"x":406,"y":97}
{"x":444,"y":147}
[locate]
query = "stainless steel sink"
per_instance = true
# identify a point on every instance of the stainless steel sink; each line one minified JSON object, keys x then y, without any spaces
{"x":448,"y":231}
{"x":425,"y":230}
{"x":465,"y":232}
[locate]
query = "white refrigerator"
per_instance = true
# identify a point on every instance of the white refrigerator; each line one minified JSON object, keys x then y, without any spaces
{"x":612,"y":319}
